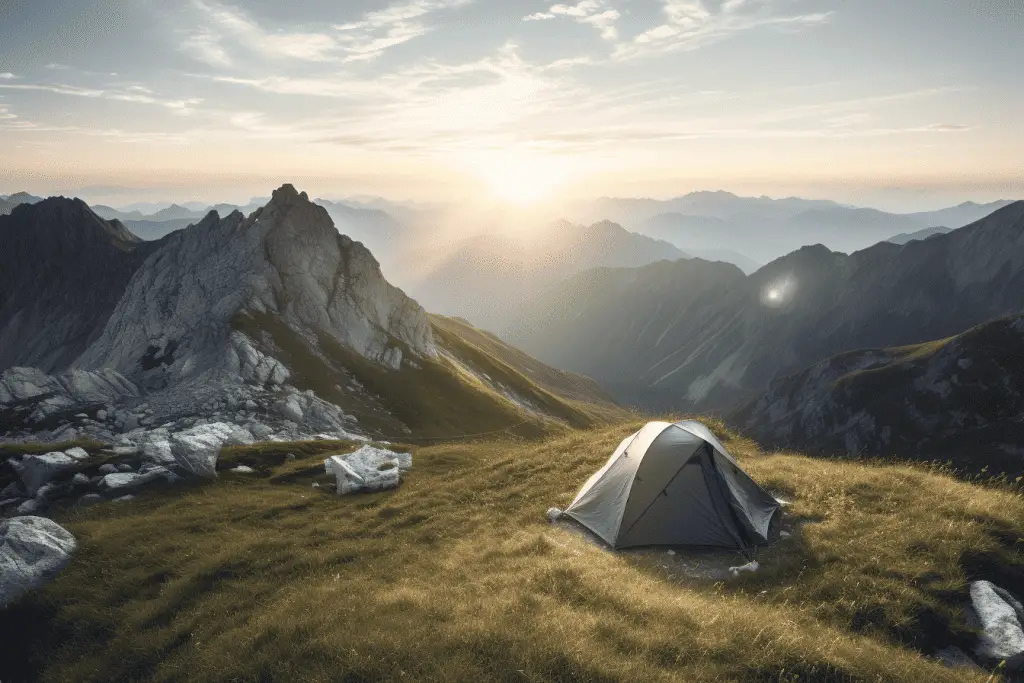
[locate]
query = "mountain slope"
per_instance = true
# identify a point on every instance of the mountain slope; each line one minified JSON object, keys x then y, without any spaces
{"x":695,"y":335}
{"x":487,"y":277}
{"x":62,"y":272}
{"x":960,"y":398}
{"x":924,"y":234}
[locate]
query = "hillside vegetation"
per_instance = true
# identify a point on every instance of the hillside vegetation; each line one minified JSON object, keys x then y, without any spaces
{"x":458,"y":576}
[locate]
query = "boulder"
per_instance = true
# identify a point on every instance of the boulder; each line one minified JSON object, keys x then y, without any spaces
{"x":28,"y":507}
{"x":32,"y":551}
{"x":90,"y":499}
{"x":1001,"y":635}
{"x":119,"y":481}
{"x":125,"y":481}
{"x":36,"y":470}
{"x":77,"y":453}
{"x":368,"y":469}
{"x":107,"y":468}
{"x":196,"y":449}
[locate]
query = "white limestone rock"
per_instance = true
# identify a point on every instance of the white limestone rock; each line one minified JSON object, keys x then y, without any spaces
{"x":367,"y":469}
{"x":196,"y":449}
{"x":28,"y":507}
{"x":1002,"y":636}
{"x":77,"y":453}
{"x":32,"y":551}
{"x":107,"y":468}
{"x":36,"y":470}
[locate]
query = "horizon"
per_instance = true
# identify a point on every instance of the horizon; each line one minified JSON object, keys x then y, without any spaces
{"x":155,"y":201}
{"x":522,"y":103}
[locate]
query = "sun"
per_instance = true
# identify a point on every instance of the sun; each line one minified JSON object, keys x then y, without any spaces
{"x":520,"y":178}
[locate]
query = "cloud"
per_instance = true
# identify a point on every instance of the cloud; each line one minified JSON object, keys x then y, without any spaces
{"x":136,"y":94}
{"x":690,"y":24}
{"x":945,"y":128}
{"x":226,"y":31}
{"x":208,"y":43}
{"x":7,"y":76}
{"x":593,"y":12}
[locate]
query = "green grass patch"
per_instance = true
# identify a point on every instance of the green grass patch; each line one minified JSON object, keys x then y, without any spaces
{"x":457,"y":576}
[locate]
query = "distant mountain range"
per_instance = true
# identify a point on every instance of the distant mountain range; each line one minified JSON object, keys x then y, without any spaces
{"x":762,"y":229}
{"x":698,"y":335}
{"x":959,"y":399}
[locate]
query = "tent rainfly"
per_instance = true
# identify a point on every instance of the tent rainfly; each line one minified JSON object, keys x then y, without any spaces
{"x":674,"y":484}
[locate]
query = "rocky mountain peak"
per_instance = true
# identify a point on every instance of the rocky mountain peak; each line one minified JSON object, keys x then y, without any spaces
{"x":176,"y":324}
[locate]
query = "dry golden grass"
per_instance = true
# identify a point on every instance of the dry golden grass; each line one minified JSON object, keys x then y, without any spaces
{"x":457,"y":576}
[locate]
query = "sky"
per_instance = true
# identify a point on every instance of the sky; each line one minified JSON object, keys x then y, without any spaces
{"x":902,"y":105}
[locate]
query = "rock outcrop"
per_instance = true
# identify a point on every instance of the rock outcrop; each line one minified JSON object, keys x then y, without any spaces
{"x":32,"y":551}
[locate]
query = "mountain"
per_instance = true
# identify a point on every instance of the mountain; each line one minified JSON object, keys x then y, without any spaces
{"x":9,"y":202}
{"x":485,"y":278}
{"x":23,"y":198}
{"x":110,"y":213}
{"x":384,"y":235}
{"x":744,"y":263}
{"x":62,"y":271}
{"x":154,"y":230}
{"x":763,"y":228}
{"x":924,"y":234}
{"x":959,"y":399}
{"x":268,"y":326}
{"x":176,"y":212}
{"x":697,"y":335}
{"x":959,"y":215}
{"x":705,"y":237}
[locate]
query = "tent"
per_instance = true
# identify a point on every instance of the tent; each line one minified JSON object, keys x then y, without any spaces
{"x":674,"y":484}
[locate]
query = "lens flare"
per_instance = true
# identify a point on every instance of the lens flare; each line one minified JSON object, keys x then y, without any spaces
{"x":778,"y":292}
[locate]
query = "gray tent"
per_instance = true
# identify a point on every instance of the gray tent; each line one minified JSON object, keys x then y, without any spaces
{"x":674,"y":484}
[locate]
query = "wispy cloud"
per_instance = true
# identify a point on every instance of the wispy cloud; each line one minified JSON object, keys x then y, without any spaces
{"x":596,"y":13}
{"x":396,"y":24}
{"x":691,"y":24}
{"x":133,"y":93}
{"x":7,"y":76}
{"x":226,"y":32}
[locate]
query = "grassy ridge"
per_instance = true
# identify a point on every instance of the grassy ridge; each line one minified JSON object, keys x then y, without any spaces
{"x":457,"y":576}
